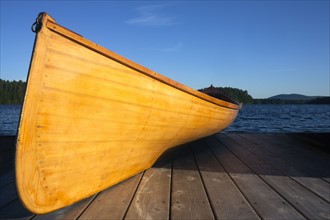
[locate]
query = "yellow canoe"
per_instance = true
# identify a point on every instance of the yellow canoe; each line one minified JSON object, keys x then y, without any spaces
{"x":92,"y":118}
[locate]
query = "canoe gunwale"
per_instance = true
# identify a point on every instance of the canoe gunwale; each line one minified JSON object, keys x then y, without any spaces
{"x":39,"y":160}
{"x":53,"y":26}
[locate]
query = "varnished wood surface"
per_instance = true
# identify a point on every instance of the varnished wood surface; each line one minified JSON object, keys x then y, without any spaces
{"x":92,"y":118}
{"x":225,"y":176}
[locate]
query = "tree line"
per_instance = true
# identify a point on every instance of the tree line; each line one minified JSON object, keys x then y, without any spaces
{"x":242,"y":96}
{"x":12,"y":92}
{"x":321,"y":100}
{"x":228,"y":94}
{"x":239,"y":95}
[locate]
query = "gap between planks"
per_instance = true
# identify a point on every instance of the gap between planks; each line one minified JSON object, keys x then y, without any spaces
{"x":224,"y":177}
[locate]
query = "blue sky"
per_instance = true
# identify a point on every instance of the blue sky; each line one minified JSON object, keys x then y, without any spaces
{"x":264,"y":47}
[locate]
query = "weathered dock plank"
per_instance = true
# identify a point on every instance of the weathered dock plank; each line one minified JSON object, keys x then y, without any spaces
{"x":7,"y":154}
{"x":189,"y":199}
{"x":113,"y":202}
{"x":7,"y":194}
{"x":226,"y":199}
{"x":15,"y":210}
{"x":285,"y":160}
{"x":225,"y":176}
{"x":268,"y":203}
{"x":297,"y":152}
{"x":70,"y":212}
{"x":306,"y":152}
{"x":301,"y":198}
{"x":152,"y":198}
{"x":7,"y":178}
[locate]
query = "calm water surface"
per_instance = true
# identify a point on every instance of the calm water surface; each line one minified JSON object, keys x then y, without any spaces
{"x":282,"y":118}
{"x":252,"y":118}
{"x":9,"y":116}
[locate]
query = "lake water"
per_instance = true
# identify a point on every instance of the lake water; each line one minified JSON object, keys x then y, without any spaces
{"x":9,"y":116}
{"x":251,"y":118}
{"x":282,"y":118}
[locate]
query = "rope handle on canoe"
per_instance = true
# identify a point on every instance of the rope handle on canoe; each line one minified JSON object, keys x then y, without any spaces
{"x":36,"y":26}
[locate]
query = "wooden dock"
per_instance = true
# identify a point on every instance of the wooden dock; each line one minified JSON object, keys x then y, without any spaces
{"x":225,"y":176}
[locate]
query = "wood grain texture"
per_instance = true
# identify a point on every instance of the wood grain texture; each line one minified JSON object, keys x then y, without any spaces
{"x":189,"y":199}
{"x":113,"y":202}
{"x":229,"y":197}
{"x":152,"y":198}
{"x":69,"y":212}
{"x":267,"y":202}
{"x":288,"y":163}
{"x":309,"y":204}
{"x":227,"y":201}
{"x":94,"y":116}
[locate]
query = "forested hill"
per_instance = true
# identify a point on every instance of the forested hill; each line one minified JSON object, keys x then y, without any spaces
{"x":12,"y":92}
{"x":243,"y":96}
{"x":294,"y":97}
{"x":238,"y":95}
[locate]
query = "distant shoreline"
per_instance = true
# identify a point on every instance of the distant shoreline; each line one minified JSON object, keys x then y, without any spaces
{"x":13,"y":92}
{"x":316,"y":101}
{"x":259,"y":102}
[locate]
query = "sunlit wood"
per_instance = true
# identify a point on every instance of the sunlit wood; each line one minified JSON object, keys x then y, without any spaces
{"x":92,"y":118}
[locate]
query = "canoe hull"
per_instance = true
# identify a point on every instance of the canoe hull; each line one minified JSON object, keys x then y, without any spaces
{"x":91,"y":119}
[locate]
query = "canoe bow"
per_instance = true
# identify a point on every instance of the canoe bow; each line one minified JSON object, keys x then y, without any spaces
{"x":92,"y":118}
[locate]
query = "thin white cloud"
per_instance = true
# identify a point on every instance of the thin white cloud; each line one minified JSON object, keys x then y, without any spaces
{"x":174,"y":48}
{"x":282,"y":70}
{"x":150,"y":16}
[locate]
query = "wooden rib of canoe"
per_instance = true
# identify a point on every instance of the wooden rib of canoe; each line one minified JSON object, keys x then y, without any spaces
{"x":92,"y":118}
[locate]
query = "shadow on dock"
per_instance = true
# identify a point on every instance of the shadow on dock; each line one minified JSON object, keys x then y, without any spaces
{"x":280,"y":176}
